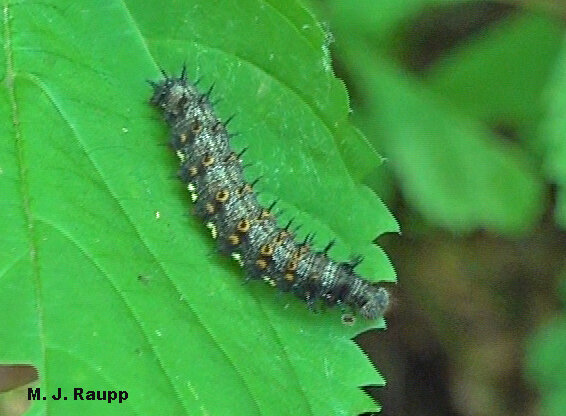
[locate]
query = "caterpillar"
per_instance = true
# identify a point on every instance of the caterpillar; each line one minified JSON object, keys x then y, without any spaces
{"x":245,"y":230}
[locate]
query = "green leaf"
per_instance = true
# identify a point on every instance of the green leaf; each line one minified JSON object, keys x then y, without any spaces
{"x":553,"y":135}
{"x":106,"y":283}
{"x":378,"y":20}
{"x":487,"y":77}
{"x":451,"y":167}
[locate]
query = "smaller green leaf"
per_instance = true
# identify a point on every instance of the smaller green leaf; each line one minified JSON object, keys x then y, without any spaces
{"x":486,"y":77}
{"x":377,"y":19}
{"x":451,"y":167}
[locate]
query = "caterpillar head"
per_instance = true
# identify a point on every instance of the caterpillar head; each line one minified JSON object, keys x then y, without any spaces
{"x":376,"y":304}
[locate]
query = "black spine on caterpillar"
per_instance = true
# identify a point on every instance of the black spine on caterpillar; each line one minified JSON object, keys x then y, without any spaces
{"x":243,"y":228}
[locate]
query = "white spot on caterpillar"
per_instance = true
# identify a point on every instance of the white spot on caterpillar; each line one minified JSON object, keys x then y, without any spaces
{"x":238,"y":258}
{"x":157,"y":215}
{"x":269,"y":281}
{"x":181,"y":155}
{"x":212,"y":228}
{"x":192,"y":189}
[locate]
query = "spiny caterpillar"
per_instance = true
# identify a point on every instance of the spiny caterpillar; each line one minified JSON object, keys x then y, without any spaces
{"x":228,"y":205}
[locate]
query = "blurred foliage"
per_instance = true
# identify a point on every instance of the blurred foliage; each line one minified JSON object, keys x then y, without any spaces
{"x":466,"y":100}
{"x":546,"y":364}
{"x":460,"y":132}
{"x":553,"y":134}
